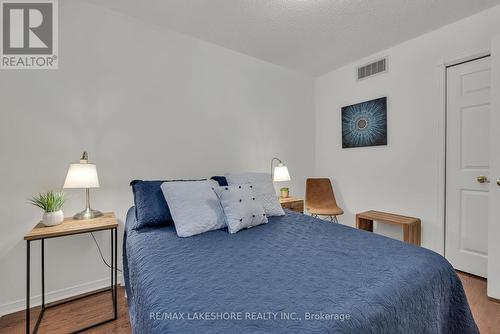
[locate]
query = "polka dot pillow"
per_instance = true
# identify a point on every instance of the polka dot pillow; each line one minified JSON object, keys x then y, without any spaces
{"x":263,"y":188}
{"x":241,"y":207}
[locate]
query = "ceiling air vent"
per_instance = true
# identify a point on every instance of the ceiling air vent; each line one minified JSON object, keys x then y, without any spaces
{"x":379,"y":66}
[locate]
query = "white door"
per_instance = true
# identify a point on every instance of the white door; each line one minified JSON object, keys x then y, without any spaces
{"x":468,"y":165}
{"x":494,"y":227}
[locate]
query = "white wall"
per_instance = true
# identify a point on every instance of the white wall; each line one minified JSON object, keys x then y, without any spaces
{"x":146,"y":103}
{"x":406,"y":176}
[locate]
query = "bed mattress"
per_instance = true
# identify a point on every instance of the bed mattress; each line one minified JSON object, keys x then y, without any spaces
{"x":296,"y":274}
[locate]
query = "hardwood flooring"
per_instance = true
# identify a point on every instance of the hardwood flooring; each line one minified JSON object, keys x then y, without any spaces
{"x":73,"y":316}
{"x":486,"y":312}
{"x":80,"y":313}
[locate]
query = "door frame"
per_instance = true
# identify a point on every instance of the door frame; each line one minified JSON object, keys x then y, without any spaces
{"x":443,"y":65}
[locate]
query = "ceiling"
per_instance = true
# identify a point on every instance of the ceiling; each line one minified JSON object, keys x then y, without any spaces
{"x":310,"y":36}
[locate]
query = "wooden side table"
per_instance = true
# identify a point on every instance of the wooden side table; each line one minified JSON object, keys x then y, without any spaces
{"x":292,"y":203}
{"x":411,"y":225}
{"x":72,"y":227}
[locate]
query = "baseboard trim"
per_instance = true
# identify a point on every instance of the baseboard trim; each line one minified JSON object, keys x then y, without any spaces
{"x":494,"y":300}
{"x":57,"y":295}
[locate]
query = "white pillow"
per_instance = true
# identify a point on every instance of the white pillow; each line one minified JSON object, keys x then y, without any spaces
{"x":263,"y":188}
{"x":241,"y":207}
{"x":194,"y":206}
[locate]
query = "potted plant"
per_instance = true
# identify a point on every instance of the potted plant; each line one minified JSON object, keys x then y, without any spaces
{"x":284,"y":192}
{"x":51,"y":203}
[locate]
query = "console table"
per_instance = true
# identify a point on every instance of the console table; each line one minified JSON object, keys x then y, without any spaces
{"x":411,"y":225}
{"x":72,"y":227}
{"x":292,"y":203}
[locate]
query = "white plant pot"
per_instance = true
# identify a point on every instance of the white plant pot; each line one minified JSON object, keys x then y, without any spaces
{"x":53,"y":218}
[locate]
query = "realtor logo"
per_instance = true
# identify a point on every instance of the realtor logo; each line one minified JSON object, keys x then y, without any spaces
{"x":29,"y":34}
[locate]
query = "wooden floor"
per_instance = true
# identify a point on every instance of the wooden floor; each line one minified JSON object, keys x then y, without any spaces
{"x":486,"y":312}
{"x":73,"y":316}
{"x":77,"y":314}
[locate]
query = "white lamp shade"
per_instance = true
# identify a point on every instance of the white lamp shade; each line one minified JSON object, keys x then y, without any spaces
{"x":281,"y":173}
{"x":82,"y":175}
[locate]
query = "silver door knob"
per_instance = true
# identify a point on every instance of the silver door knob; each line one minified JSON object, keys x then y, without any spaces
{"x":482,"y":179}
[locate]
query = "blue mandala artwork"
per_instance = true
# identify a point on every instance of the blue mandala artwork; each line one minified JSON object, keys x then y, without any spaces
{"x":365,"y":124}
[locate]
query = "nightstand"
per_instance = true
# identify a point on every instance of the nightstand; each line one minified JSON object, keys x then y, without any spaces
{"x":71,"y":227}
{"x":292,"y":203}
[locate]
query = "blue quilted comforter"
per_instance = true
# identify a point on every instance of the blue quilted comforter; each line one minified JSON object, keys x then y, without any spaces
{"x":296,"y":274}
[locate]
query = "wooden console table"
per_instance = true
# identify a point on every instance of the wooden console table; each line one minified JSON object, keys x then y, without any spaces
{"x":411,"y":225}
{"x":71,"y":227}
{"x":292,"y":203}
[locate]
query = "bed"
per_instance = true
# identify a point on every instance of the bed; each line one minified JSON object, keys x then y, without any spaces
{"x":296,"y":274}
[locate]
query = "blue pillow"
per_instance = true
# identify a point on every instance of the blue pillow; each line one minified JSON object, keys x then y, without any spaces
{"x":151,"y":208}
{"x":221,"y":180}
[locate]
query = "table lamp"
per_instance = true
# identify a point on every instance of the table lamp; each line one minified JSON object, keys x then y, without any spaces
{"x":83,"y":175}
{"x":280,"y":174}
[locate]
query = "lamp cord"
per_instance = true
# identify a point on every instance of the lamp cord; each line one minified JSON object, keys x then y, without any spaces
{"x":100,"y":253}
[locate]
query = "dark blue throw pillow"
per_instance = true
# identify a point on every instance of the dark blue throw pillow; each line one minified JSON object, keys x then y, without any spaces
{"x":221,"y":180}
{"x":151,"y":209}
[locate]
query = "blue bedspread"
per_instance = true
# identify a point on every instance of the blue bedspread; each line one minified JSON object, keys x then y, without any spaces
{"x":296,"y":274}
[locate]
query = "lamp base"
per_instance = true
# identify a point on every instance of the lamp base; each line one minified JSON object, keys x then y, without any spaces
{"x":87,"y":214}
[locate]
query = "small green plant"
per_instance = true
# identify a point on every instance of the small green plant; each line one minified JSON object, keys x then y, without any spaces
{"x":284,"y":189}
{"x":51,"y":201}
